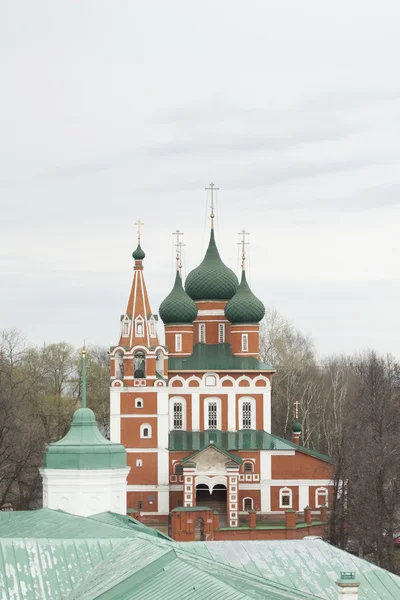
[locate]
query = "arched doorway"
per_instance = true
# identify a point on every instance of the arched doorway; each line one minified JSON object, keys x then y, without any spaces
{"x":216,"y":499}
{"x":199,"y":530}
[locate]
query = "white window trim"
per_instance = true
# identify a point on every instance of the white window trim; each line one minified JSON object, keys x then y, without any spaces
{"x":252,"y":503}
{"x":321,"y":490}
{"x":285,"y":491}
{"x":139,"y":321}
{"x":202,"y":328}
{"x":137,"y":400}
{"x":152,"y":327}
{"x":178,"y":342}
{"x":253,"y":411}
{"x":251,"y":463}
{"x":171,"y":412}
{"x":142,"y":428}
{"x":126,"y":323}
{"x":245,"y":342}
{"x":221,"y":333}
{"x":207,"y":402}
{"x":139,"y":462}
{"x":210,"y":375}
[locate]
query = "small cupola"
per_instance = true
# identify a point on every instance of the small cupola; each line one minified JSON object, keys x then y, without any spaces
{"x":244,"y":307}
{"x":178,"y":307}
{"x":139,"y":253}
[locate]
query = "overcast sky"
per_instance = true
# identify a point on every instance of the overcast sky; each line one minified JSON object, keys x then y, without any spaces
{"x":113,"y":111}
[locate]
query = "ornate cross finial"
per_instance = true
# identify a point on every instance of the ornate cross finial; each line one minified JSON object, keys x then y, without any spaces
{"x":296,"y":409}
{"x":138,"y":225}
{"x":243,"y":243}
{"x":212,"y":188}
{"x":84,"y":376}
{"x":178,"y":246}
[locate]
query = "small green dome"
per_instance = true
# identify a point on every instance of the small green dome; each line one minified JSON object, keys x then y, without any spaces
{"x":178,"y":307}
{"x":244,"y":307}
{"x":138,"y":254}
{"x":84,"y":447}
{"x":211,"y":280}
{"x":296,"y":427}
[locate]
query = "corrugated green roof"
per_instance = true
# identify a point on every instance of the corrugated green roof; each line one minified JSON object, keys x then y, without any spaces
{"x":310,"y":566}
{"x":245,"y":439}
{"x":137,"y":566}
{"x":216,"y":357}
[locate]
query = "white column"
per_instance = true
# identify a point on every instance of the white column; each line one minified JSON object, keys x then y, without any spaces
{"x":115,"y":415}
{"x":231,"y":412}
{"x":265,"y":479}
{"x":267,"y":409}
{"x":195,"y":411}
{"x":303,"y":496}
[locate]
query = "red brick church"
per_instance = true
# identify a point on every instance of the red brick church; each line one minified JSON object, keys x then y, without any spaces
{"x":195,"y":414}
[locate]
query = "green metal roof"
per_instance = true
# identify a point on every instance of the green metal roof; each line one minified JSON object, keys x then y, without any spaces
{"x":84,"y":447}
{"x":178,"y":307}
{"x":245,"y":439}
{"x":244,"y":307}
{"x":216,"y":357}
{"x":310,"y":566}
{"x":212,"y":279}
{"x":56,"y":556}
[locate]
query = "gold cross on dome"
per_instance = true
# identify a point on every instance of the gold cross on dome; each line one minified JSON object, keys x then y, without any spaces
{"x":296,"y":409}
{"x":178,"y":246}
{"x":138,"y":225}
{"x":212,"y":188}
{"x":243,"y":243}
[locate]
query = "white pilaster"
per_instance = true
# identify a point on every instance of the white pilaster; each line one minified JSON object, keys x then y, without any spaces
{"x":303,"y":496}
{"x":195,"y":411}
{"x":115,"y":415}
{"x":265,"y":479}
{"x":231,"y":412}
{"x":267,"y":409}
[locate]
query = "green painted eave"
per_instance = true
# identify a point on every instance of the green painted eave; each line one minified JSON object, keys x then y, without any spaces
{"x":216,"y":357}
{"x":84,"y":447}
{"x":245,"y":439}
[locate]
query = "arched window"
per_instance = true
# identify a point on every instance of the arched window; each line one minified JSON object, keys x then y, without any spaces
{"x":139,"y":403}
{"x":153,"y":330}
{"x":247,"y":503}
{"x":248,"y":467}
{"x":178,"y":415}
{"x":145,"y":430}
{"x":119,"y":365}
{"x":139,"y":327}
{"x":245,"y":342}
{"x":178,"y":469}
{"x":125,"y":327}
{"x":160,"y":363}
{"x":247,"y":413}
{"x":221,"y":333}
{"x":202,"y":333}
{"x":212,"y":413}
{"x":139,"y":361}
{"x":285,"y":498}
{"x":321,"y":497}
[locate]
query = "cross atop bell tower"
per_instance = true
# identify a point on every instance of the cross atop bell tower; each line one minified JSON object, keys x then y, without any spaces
{"x":212,"y":189}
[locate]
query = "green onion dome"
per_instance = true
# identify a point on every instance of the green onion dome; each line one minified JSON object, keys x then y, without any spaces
{"x":211,"y":280}
{"x":178,"y":307}
{"x":138,"y":254}
{"x":84,"y":447}
{"x":296,"y":427}
{"x":244,"y":307}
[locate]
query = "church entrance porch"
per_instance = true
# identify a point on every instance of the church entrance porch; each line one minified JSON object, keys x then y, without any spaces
{"x":216,"y":499}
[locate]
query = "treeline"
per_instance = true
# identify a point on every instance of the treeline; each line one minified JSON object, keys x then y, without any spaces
{"x":39,"y":391}
{"x":349,"y":409}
